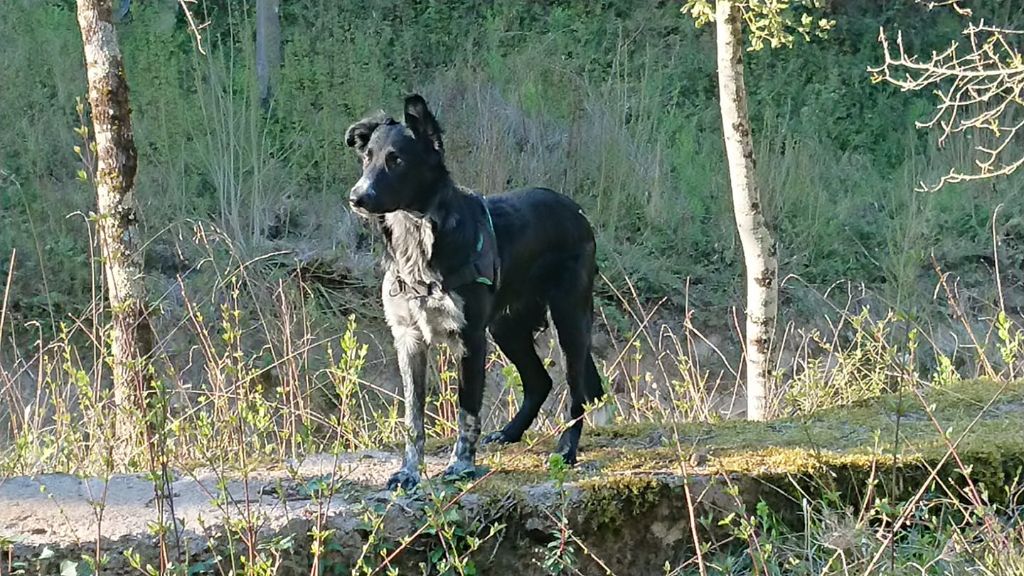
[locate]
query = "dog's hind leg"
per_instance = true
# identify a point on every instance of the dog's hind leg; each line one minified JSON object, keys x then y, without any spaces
{"x":513,"y":334}
{"x":572,"y":313}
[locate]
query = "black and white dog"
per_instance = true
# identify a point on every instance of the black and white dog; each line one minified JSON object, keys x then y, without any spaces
{"x":457,"y":264}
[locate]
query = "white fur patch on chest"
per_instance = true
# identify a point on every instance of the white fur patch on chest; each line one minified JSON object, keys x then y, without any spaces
{"x":434,"y":319}
{"x":440,"y":319}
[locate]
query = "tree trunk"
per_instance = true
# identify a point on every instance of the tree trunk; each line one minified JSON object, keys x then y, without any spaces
{"x":132,"y":336}
{"x":759,"y":249}
{"x":268,"y":48}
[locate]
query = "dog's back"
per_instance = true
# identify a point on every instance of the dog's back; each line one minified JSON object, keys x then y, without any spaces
{"x":539,"y":233}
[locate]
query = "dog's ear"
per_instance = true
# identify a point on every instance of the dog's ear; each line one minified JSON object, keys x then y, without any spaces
{"x":358,"y":135}
{"x":421,"y":121}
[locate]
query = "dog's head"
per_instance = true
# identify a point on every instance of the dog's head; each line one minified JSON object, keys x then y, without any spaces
{"x":403,"y":162}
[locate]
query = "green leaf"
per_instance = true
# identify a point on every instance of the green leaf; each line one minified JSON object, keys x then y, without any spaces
{"x":201,"y":567}
{"x":68,"y":568}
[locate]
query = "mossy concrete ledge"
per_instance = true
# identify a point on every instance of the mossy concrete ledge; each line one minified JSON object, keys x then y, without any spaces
{"x":627,"y":501}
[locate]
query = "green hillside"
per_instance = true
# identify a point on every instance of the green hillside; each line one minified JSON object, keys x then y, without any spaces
{"x":613,"y":102}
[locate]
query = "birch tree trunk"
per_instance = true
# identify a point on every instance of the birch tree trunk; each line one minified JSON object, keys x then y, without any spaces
{"x":759,"y":249}
{"x":132,"y":336}
{"x":268,"y":48}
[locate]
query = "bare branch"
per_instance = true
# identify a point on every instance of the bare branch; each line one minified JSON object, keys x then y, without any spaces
{"x":954,"y":4}
{"x":195,"y":29}
{"x":979,"y":86}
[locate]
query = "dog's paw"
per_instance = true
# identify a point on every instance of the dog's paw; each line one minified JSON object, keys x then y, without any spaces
{"x":567,"y":454}
{"x":567,"y":448}
{"x":460,"y":471}
{"x":497,"y":437}
{"x":567,"y":459}
{"x":403,"y":479}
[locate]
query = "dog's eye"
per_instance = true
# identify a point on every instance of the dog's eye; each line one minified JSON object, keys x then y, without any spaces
{"x":392,"y":160}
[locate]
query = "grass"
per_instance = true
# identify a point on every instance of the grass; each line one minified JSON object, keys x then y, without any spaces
{"x":259,"y":390}
{"x":264,"y":288}
{"x":614,"y":105}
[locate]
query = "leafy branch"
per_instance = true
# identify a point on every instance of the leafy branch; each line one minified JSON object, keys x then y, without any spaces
{"x":769,"y":22}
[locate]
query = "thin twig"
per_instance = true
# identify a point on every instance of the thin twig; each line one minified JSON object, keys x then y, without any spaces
{"x":195,"y":29}
{"x":7,"y":293}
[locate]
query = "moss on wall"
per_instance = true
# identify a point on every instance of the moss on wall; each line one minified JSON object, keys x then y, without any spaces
{"x":841,"y":452}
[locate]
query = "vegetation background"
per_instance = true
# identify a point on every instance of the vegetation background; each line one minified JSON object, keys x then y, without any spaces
{"x":613,"y":102}
{"x":264,"y":287}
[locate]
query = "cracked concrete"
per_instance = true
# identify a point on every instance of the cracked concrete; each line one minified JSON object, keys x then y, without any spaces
{"x":50,"y":518}
{"x":68,"y":513}
{"x":64,"y":509}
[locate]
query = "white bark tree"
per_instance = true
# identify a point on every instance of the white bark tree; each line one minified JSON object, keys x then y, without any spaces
{"x":117,"y":215}
{"x":774,"y":24}
{"x":759,"y":249}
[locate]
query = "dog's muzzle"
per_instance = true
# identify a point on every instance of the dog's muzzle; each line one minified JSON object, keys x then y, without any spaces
{"x":362,"y":197}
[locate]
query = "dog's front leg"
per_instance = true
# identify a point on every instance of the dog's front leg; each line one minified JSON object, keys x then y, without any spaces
{"x":412,"y":363}
{"x":471,"y":395}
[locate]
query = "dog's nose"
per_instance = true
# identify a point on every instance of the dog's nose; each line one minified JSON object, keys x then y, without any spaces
{"x":357,"y":200}
{"x":360,"y":196}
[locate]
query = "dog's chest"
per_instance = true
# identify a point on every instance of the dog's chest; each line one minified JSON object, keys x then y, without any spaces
{"x":440,"y":319}
{"x":416,"y":307}
{"x":435,"y":319}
